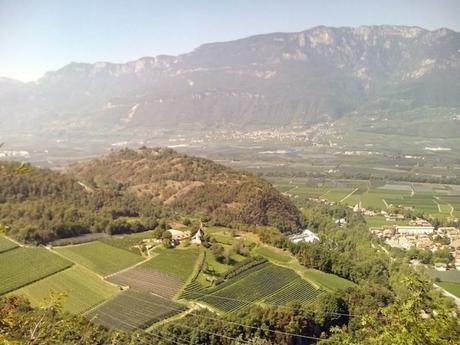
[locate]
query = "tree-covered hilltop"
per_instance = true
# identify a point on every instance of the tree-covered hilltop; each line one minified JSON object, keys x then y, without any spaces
{"x":131,"y":191}
{"x":192,"y":185}
{"x":41,"y":205}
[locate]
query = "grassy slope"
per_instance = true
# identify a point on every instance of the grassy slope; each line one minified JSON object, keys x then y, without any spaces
{"x":22,"y":266}
{"x":83,"y":289}
{"x":100,"y":257}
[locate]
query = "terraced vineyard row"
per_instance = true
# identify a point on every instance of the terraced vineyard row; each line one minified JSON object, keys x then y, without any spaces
{"x":22,"y":266}
{"x":132,"y":309}
{"x":254,"y":287}
{"x":297,"y":291}
{"x":148,"y":280}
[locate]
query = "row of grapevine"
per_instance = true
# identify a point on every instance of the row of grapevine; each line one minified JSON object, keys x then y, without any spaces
{"x":133,"y":309}
{"x":298,"y":291}
{"x":258,"y":286}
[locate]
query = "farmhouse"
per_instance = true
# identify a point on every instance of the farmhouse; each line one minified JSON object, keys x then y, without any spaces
{"x":415,"y":230}
{"x":177,"y":235}
{"x":306,"y":236}
{"x":197,"y":238}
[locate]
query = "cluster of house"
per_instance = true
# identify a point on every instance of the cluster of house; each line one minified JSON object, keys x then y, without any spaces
{"x":421,"y":234}
{"x":177,"y":236}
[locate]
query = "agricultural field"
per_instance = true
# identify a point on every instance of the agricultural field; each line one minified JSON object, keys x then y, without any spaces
{"x":433,"y":199}
{"x":6,"y":244}
{"x":133,"y":309}
{"x":453,"y":288}
{"x":376,"y":221}
{"x":22,"y":266}
{"x":273,"y":254}
{"x":445,"y":276}
{"x":128,"y":242}
{"x":298,"y":291}
{"x":325,"y":280}
{"x":178,"y":262}
{"x":83,"y":289}
{"x":255,"y":287}
{"x":100,"y":257}
{"x":148,"y":280}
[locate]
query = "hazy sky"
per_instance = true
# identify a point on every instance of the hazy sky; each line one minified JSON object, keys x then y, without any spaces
{"x":41,"y":35}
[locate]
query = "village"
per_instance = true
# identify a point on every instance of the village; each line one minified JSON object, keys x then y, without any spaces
{"x":420,"y":234}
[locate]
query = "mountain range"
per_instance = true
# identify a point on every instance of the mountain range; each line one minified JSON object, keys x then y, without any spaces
{"x":277,"y":79}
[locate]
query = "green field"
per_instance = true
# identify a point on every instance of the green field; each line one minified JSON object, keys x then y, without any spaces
{"x":432,"y":199}
{"x":131,"y":310}
{"x":22,"y":266}
{"x":453,"y":288}
{"x":326,"y":280}
{"x":6,"y":244}
{"x":128,"y":242}
{"x":272,"y":254}
{"x":452,"y":276}
{"x":176,"y":262}
{"x":100,"y":257}
{"x":83,"y":289}
{"x":255,"y":287}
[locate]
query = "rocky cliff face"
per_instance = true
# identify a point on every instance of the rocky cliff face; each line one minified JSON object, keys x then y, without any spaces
{"x":275,"y":79}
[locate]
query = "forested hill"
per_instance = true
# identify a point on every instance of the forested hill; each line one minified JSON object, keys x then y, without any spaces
{"x":130,"y":191}
{"x":192,"y":185}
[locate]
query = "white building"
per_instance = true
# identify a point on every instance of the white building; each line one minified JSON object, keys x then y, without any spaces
{"x":197,"y":238}
{"x":415,"y":230}
{"x":177,"y":235}
{"x":306,"y":236}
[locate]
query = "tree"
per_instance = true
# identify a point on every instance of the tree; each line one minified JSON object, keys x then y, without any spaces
{"x":415,"y":320}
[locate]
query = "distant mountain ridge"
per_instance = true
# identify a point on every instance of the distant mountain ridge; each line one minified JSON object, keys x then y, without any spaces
{"x":316,"y":75}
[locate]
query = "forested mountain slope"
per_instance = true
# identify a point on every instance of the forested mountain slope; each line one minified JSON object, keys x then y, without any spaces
{"x":192,"y":185}
{"x":274,"y":79}
{"x":130,"y":191}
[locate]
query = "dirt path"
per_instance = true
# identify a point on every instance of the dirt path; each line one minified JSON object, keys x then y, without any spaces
{"x":14,"y":241}
{"x":439,"y":206}
{"x":347,"y":196}
{"x":386,"y":204}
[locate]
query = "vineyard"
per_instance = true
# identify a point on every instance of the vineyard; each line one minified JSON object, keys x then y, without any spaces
{"x":100,"y":257}
{"x":23,"y":266}
{"x":83,"y":289}
{"x":255,"y":287}
{"x":298,"y":291}
{"x":132,"y":309}
{"x":176,"y":262}
{"x":6,"y":244}
{"x":148,"y":280}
